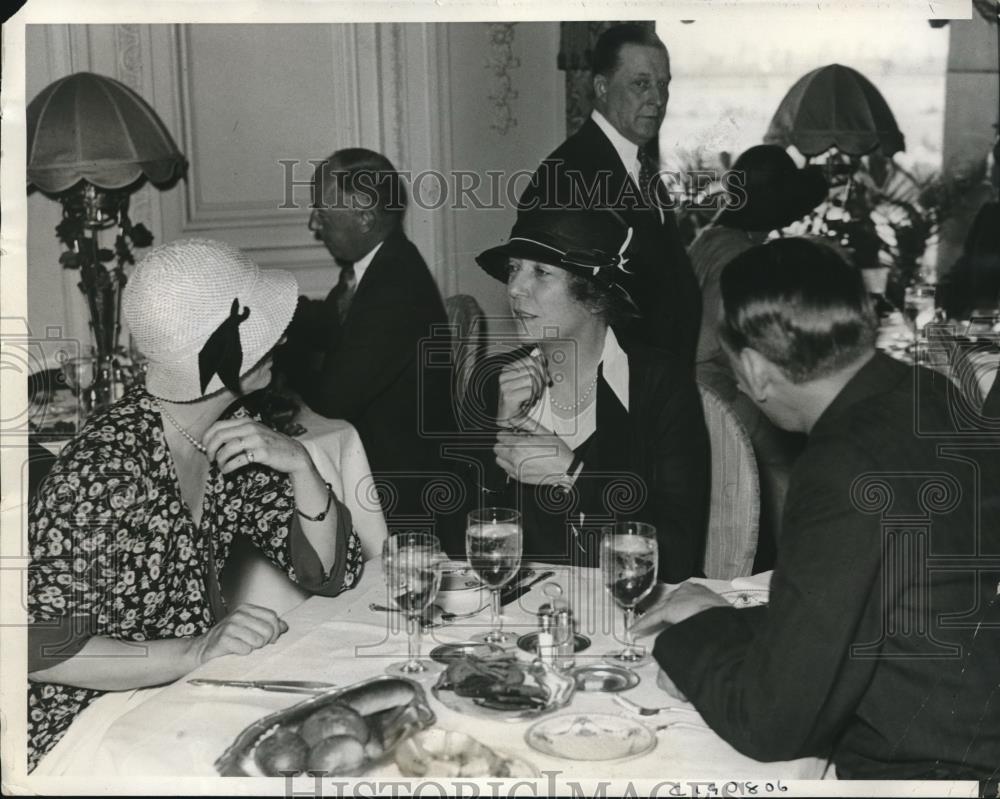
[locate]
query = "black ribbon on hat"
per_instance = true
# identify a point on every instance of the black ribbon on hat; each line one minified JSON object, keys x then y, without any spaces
{"x":222,"y":354}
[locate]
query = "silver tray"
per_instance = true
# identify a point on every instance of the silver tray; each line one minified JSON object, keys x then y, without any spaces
{"x":391,"y":724}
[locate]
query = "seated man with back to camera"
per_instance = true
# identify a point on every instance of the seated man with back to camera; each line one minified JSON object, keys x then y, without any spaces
{"x":868,"y":650}
{"x":357,"y":355}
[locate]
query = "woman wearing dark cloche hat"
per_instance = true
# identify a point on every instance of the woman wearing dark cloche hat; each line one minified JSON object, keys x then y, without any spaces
{"x":584,"y":428}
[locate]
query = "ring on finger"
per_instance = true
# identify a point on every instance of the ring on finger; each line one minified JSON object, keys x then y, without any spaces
{"x":249,"y":454}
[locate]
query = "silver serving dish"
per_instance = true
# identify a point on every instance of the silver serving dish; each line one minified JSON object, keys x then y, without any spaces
{"x":559,"y":688}
{"x":390,"y":724}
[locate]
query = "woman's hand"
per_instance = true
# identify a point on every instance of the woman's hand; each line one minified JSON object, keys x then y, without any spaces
{"x":533,"y":455}
{"x":235,"y":443}
{"x":247,"y":628}
{"x":521,"y":384}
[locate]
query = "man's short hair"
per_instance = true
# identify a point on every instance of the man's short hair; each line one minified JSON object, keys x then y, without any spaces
{"x":363,"y":177}
{"x":798,"y":303}
{"x":607,"y":50}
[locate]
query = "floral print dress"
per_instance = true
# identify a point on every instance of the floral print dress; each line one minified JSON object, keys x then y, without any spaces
{"x":115,"y":552}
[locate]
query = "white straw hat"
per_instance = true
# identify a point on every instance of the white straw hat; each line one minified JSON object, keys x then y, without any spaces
{"x":181,"y":293}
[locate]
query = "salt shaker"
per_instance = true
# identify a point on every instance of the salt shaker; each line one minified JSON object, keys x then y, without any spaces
{"x":564,"y":637}
{"x":546,"y":641}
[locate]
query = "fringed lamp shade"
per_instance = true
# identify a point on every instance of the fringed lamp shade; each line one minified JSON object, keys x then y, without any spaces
{"x":89,"y":127}
{"x":835,"y":106}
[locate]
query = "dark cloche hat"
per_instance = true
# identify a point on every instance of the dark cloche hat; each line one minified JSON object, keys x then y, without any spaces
{"x":777,"y":192}
{"x":596,"y":244}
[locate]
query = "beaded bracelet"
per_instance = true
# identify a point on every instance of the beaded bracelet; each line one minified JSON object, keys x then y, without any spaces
{"x":326,"y":510}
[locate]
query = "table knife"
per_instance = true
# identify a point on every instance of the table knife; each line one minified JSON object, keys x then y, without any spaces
{"x":280,"y":686}
{"x":516,"y":592}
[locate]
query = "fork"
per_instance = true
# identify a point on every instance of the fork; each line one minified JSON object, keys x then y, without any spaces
{"x":650,"y":711}
{"x":427,"y":624}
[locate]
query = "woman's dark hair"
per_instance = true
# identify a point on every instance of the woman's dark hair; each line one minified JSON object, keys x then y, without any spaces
{"x":612,"y":307}
{"x":605,"y":58}
{"x":798,"y":303}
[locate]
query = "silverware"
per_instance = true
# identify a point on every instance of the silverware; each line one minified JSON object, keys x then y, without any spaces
{"x":447,"y":616}
{"x":650,"y":711}
{"x":279,"y":686}
{"x":516,"y":592}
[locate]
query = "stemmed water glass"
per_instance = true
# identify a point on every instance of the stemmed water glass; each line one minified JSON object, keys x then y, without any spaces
{"x":411,"y":562}
{"x":493,"y":544}
{"x":629,"y":555}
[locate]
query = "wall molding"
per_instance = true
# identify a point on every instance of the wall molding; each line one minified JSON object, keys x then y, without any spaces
{"x":501,"y":62}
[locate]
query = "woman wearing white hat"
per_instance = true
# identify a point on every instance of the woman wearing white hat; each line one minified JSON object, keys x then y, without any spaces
{"x":134,"y":523}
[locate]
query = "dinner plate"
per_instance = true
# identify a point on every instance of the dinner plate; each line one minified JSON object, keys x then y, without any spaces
{"x":597,"y":736}
{"x":746,"y":597}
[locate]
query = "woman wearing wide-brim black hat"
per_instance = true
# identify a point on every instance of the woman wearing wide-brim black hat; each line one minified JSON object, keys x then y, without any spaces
{"x":584,"y":428}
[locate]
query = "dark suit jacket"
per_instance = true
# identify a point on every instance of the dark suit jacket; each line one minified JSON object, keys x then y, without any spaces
{"x":649,"y":463}
{"x":866,"y":649}
{"x":371,"y":367}
{"x":586,"y":168}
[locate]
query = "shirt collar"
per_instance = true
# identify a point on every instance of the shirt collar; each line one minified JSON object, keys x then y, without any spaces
{"x":615,"y":367}
{"x":627,"y":151}
{"x":362,"y":264}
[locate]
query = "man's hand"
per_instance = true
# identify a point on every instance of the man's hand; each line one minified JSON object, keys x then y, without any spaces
{"x":683,"y":602}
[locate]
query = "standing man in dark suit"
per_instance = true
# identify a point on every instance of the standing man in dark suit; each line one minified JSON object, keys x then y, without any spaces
{"x":357,"y":355}
{"x":612,"y":162}
{"x":880,"y":643}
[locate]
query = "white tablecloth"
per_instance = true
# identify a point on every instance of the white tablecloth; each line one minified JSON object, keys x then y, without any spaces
{"x":181,"y":729}
{"x":336,"y":449}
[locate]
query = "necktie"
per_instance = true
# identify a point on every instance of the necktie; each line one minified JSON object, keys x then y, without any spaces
{"x":344,"y":292}
{"x":648,"y":182}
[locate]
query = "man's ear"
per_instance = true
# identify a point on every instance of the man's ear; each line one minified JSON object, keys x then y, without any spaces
{"x":759,"y":373}
{"x":367,"y":220}
{"x":600,"y":87}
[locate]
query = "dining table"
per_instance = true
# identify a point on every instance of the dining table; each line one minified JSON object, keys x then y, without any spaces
{"x":181,"y":729}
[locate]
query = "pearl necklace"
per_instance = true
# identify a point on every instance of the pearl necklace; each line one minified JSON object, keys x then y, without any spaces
{"x":194,"y":442}
{"x":583,"y":398}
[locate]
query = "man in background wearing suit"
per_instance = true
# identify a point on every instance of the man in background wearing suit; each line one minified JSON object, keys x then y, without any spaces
{"x":357,"y":355}
{"x":612,"y":162}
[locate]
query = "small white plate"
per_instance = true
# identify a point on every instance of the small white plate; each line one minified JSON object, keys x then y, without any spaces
{"x":597,"y":736}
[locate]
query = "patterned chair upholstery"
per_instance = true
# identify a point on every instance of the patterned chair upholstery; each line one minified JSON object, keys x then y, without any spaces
{"x":734,"y":505}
